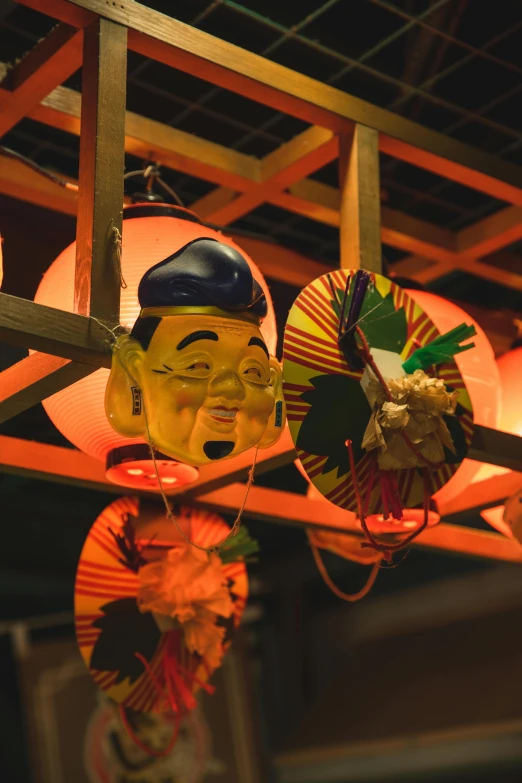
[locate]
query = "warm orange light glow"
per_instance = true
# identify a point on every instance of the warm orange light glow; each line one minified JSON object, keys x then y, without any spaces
{"x":510,"y":420}
{"x":481,"y":375}
{"x":78,"y":410}
{"x":510,"y":370}
{"x":495,"y":518}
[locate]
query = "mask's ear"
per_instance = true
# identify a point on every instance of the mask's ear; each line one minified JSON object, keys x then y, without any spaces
{"x":276,"y":422}
{"x":123,"y":396}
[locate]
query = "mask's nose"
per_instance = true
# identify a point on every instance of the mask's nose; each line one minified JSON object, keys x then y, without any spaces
{"x":227,"y":384}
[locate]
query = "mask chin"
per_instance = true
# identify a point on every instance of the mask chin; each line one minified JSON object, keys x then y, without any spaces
{"x":218,"y":449}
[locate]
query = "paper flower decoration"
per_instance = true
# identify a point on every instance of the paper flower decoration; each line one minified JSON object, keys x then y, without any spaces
{"x":155,"y":615}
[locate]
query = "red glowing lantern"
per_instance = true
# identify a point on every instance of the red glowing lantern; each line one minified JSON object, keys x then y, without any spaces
{"x":510,"y":420}
{"x":151,"y":232}
{"x":481,"y":376}
{"x":510,"y":367}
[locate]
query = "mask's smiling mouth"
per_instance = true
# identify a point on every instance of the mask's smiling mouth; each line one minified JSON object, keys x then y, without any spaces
{"x":222,"y":414}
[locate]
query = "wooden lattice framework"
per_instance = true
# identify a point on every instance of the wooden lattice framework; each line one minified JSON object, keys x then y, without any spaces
{"x":97,"y":34}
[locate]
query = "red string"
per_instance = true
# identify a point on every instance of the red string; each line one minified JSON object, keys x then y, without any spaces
{"x":351,"y":598}
{"x":386,"y":549}
{"x":141,"y":745}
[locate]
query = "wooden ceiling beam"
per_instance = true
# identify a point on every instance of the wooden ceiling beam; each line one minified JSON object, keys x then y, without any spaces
{"x":360,"y":206}
{"x":483,"y":494}
{"x":237,"y":172}
{"x":49,"y":63}
{"x":102,"y":163}
{"x":305,"y":153}
{"x":35,"y":378}
{"x":18,"y":181}
{"x":26,"y":324}
{"x":490,"y":234}
{"x":496,"y":448}
{"x":70,"y":466}
{"x":186,"y":48}
{"x":147,"y":139}
{"x":287,"y":508}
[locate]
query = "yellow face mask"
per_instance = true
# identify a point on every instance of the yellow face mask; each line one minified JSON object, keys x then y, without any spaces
{"x":205,"y":387}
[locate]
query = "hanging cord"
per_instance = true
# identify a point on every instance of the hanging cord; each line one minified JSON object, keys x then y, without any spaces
{"x":386,"y":549}
{"x":333,"y":587}
{"x":117,"y":242}
{"x":63,"y":183}
{"x":141,"y":745}
{"x":151,"y":173}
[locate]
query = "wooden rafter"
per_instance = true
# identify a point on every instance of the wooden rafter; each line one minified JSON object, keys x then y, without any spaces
{"x":239,"y":173}
{"x":26,"y":324}
{"x":490,"y":234}
{"x":272,"y":505}
{"x":100,"y":195}
{"x":47,"y":65}
{"x":310,"y":150}
{"x":69,"y":466}
{"x":34,"y":379}
{"x":483,"y":494}
{"x":213,"y":490}
{"x":186,"y":48}
{"x":360,"y":207}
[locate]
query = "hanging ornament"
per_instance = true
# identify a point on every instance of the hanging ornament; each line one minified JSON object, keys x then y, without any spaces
{"x":481,"y":375}
{"x":154,"y":615}
{"x":373,"y":438}
{"x":150,"y":233}
{"x":195,"y":378}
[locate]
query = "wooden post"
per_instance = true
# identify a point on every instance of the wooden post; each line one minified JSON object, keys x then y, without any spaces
{"x":360,"y":237}
{"x":102,"y":145}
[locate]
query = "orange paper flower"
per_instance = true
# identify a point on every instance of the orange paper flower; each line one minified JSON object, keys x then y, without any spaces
{"x":189,"y":585}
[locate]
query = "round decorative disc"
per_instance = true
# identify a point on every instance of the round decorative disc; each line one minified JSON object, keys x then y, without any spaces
{"x":110,"y":629}
{"x":326,"y":400}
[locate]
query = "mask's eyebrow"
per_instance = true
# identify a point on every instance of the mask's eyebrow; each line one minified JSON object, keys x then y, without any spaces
{"x":260,"y":344}
{"x":193,"y":336}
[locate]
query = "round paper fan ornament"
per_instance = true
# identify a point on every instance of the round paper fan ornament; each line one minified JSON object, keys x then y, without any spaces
{"x":377,"y":408}
{"x":155,"y":614}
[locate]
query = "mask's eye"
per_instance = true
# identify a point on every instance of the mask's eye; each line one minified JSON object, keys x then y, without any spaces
{"x":199,"y":366}
{"x":253,"y":371}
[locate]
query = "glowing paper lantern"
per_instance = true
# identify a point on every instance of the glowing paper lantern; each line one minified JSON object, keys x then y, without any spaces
{"x":510,"y":420}
{"x":151,"y":233}
{"x":510,"y":372}
{"x":481,"y":375}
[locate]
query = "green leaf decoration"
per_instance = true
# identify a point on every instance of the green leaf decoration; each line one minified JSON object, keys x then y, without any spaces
{"x":339,"y":410}
{"x":240,"y":547}
{"x":383,"y":326}
{"x":440,"y":350}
